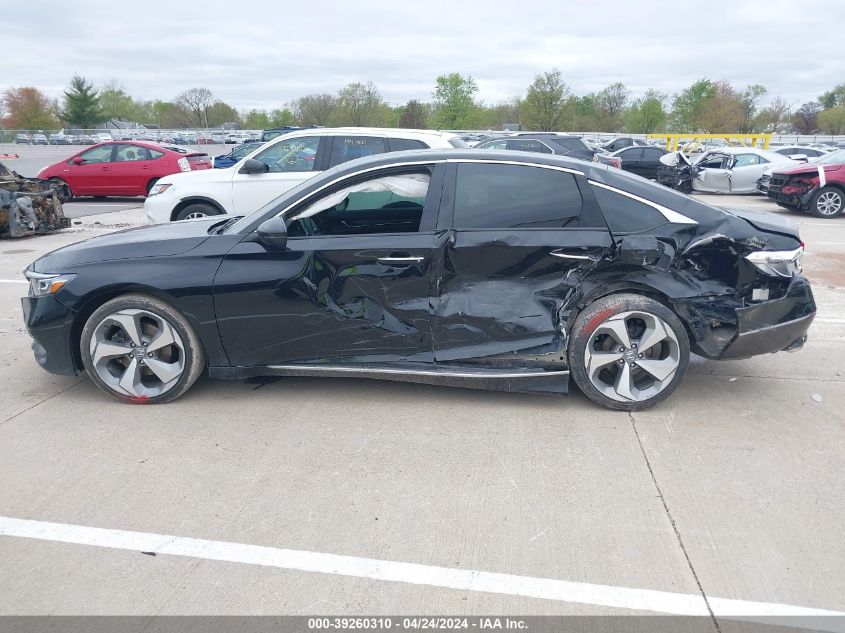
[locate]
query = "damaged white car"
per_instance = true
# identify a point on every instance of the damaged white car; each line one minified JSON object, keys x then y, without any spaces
{"x":723,"y":170}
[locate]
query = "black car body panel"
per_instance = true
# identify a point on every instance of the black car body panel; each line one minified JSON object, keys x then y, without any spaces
{"x":462,"y":303}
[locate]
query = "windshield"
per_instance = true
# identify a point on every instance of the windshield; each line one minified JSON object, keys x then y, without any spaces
{"x":834,"y":157}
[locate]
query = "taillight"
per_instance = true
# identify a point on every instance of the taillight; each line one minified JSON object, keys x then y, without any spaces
{"x":183,"y":163}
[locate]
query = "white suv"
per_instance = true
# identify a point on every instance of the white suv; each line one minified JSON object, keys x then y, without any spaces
{"x":277,"y":166}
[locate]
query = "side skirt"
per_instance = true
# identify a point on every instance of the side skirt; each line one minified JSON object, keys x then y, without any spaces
{"x":516,"y":380}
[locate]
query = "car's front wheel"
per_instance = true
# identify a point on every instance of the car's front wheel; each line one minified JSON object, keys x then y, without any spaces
{"x":628,"y":352}
{"x":197,"y":210}
{"x":827,"y":203}
{"x":141,"y":350}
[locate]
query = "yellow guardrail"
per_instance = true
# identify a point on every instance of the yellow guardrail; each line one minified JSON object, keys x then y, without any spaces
{"x":673,"y":141}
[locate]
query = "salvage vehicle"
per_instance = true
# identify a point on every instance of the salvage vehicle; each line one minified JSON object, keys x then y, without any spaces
{"x":799,"y":152}
{"x":276,"y":166}
{"x":817,"y":187}
{"x":28,"y":205}
{"x":473,"y":268}
{"x":643,"y":161}
{"x":724,"y":170}
{"x":620,"y":143}
{"x":225,"y":161}
{"x":545,"y":143}
{"x":121,"y":168}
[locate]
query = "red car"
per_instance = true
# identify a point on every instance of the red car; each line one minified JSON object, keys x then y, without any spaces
{"x":121,"y":168}
{"x":817,"y":187}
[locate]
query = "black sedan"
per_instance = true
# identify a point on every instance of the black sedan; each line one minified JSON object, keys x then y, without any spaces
{"x":544,"y":143}
{"x":643,"y":161}
{"x":475,"y":268}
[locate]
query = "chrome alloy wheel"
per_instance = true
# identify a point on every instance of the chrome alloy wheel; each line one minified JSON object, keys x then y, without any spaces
{"x":137,"y":353}
{"x":632,"y":356}
{"x":195,"y":215}
{"x":829,"y":203}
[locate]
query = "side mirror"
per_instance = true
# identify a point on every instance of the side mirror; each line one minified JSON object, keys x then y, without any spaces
{"x":273,"y":233}
{"x":252,"y":166}
{"x":77,"y":160}
{"x":641,"y":250}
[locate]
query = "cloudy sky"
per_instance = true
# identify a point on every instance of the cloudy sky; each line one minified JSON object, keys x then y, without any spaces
{"x":254,"y":53}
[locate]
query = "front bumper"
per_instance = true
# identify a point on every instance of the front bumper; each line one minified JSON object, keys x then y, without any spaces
{"x":774,"y":326}
{"x":50,"y":323}
{"x":158,"y":208}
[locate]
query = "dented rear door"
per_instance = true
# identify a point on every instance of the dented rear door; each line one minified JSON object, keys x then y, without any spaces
{"x":521,"y":237}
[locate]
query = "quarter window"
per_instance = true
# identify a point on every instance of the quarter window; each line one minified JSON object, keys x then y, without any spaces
{"x":626,"y":215}
{"x":399,"y":144}
{"x":292,"y":154}
{"x":154,"y":154}
{"x":346,"y":148}
{"x":491,"y":196}
{"x":386,"y":204}
{"x":744,"y":160}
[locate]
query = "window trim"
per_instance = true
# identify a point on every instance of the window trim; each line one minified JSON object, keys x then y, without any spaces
{"x":672,"y":216}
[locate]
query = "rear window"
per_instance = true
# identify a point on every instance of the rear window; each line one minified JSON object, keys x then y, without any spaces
{"x":626,"y":215}
{"x":346,"y":148}
{"x":491,"y":196}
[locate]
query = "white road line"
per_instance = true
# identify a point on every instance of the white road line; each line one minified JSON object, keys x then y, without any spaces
{"x":13,"y":281}
{"x":393,"y":571}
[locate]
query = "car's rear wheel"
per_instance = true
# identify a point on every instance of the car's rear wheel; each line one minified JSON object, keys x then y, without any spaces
{"x":141,"y":350}
{"x":64,"y":192}
{"x":628,"y":352}
{"x":827,"y":203}
{"x":197,"y":210}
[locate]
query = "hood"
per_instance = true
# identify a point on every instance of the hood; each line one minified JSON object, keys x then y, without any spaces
{"x":159,"y":240}
{"x":806,"y":168}
{"x":767,"y":222}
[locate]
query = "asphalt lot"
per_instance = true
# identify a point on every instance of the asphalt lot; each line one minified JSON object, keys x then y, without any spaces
{"x":504,"y":503}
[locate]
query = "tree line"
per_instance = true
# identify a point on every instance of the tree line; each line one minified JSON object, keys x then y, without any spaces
{"x":706,"y":106}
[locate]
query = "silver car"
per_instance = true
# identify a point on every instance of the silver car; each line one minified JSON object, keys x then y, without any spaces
{"x":734,"y":169}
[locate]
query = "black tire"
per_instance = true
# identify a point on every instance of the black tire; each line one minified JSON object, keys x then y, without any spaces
{"x":583,"y":333}
{"x":828,"y":202}
{"x":150,"y":185}
{"x":194,"y":354}
{"x":197,"y":210}
{"x":65,"y":193}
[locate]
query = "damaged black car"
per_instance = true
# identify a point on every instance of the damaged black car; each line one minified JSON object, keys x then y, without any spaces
{"x":470,"y":268}
{"x":28,"y":205}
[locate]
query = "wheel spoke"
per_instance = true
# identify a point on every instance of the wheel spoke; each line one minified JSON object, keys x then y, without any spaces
{"x":660,"y":369}
{"x":165,"y":371}
{"x":617,"y":328}
{"x":129,"y":323}
{"x":109,"y":349}
{"x":130,"y":382}
{"x":652,"y":336}
{"x":601,"y":359}
{"x":163,"y":338}
{"x":624,"y":384}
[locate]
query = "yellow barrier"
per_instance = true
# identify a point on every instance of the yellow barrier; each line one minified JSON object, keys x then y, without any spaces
{"x":748,"y":140}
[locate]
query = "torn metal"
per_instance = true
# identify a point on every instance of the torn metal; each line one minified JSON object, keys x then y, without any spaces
{"x":28,"y":205}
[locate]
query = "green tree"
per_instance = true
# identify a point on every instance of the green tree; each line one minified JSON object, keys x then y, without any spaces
{"x":116,"y":104}
{"x":454,"y":101}
{"x":687,"y":106}
{"x":805,"y":119}
{"x":256,"y":120}
{"x":359,"y":104}
{"x":81,"y":105}
{"x":610,"y":105}
{"x":413,"y":115}
{"x":543,"y":107}
{"x":832,"y":120}
{"x":774,"y":117}
{"x":315,"y":109}
{"x":27,"y":109}
{"x":833,"y":98}
{"x":749,"y":101}
{"x":220,"y":112}
{"x":168,"y":115}
{"x":196,"y":103}
{"x":647,"y":114}
{"x":504,"y":113}
{"x":722,"y":112}
{"x":280,"y":117}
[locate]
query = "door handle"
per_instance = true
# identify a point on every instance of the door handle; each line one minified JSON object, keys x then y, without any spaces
{"x":104,"y":168}
{"x":400,"y":261}
{"x":581,"y":258}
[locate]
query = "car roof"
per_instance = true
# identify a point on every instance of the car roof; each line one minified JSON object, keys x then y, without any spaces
{"x":765,"y":153}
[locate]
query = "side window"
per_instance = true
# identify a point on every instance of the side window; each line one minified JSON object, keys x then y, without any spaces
{"x":346,"y":148}
{"x":744,"y":160}
{"x":155,"y":154}
{"x":525,"y":145}
{"x":512,"y":196}
{"x":626,"y":215}
{"x":500,"y":144}
{"x":716,"y":161}
{"x":385,"y":204}
{"x":129,"y":153}
{"x":652,"y":153}
{"x":399,"y":144}
{"x":99,"y":154}
{"x":632,"y":153}
{"x":293,"y":154}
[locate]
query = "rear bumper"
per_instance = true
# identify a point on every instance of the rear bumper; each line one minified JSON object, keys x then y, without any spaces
{"x":49,"y":323}
{"x":774,"y":326}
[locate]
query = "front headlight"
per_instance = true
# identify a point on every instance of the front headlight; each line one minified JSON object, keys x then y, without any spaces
{"x":159,"y":188}
{"x":41,"y":284}
{"x":778,"y":263}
